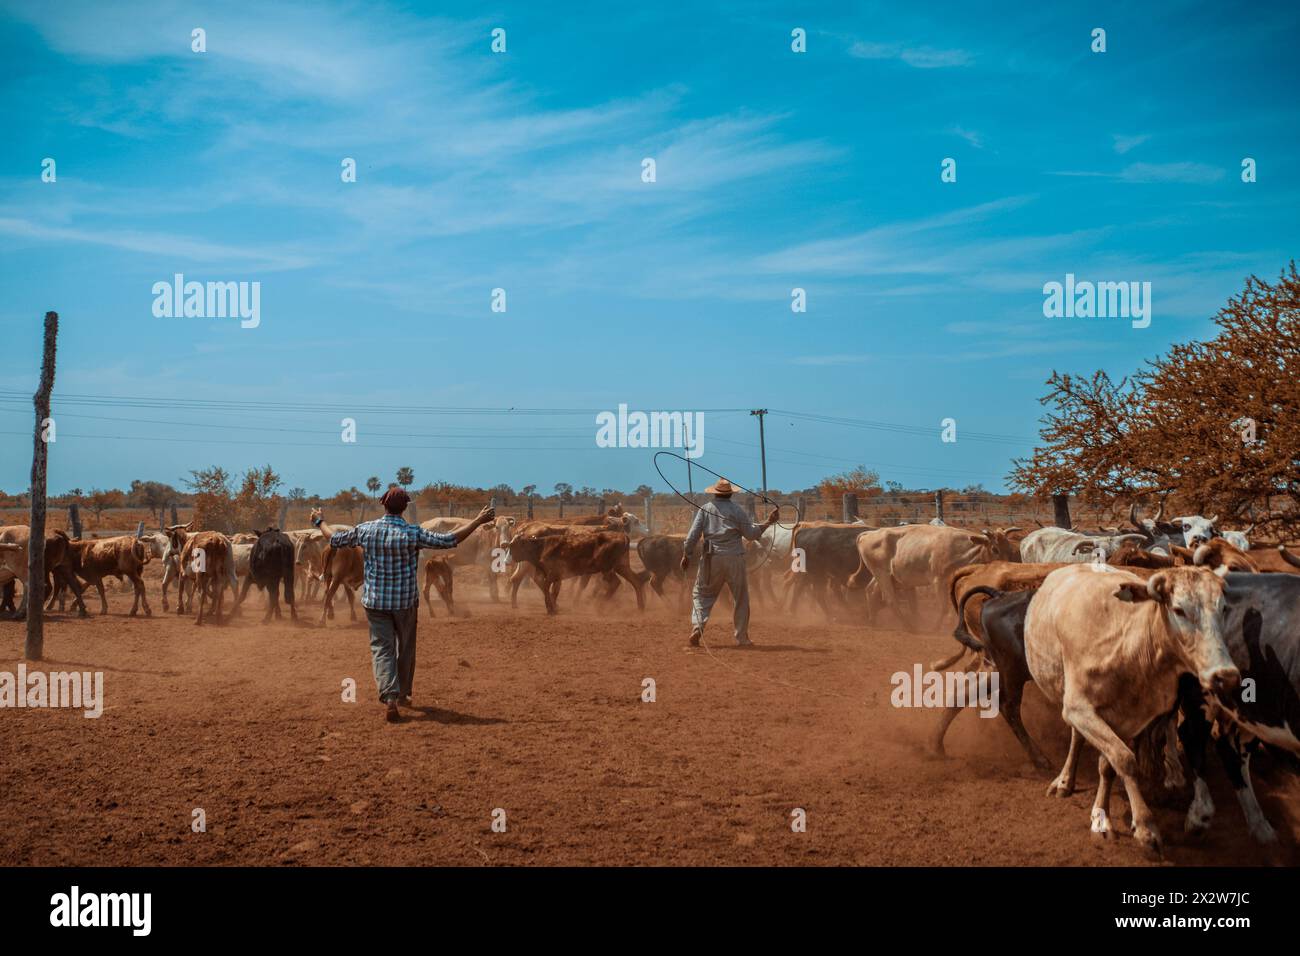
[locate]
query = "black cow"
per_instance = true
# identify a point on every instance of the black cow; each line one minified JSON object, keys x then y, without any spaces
{"x":661,"y":555}
{"x":1263,"y":637}
{"x":1002,"y":619}
{"x":271,"y":563}
{"x":830,"y":556}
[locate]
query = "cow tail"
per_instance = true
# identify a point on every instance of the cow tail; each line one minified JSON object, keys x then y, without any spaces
{"x":962,"y":635}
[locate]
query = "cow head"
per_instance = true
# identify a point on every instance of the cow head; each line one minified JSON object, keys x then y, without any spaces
{"x":1195,"y":529}
{"x":632,"y":526}
{"x":177,"y":534}
{"x":505,"y":530}
{"x":1001,"y":544}
{"x":1194,"y":610}
{"x":1220,"y":553}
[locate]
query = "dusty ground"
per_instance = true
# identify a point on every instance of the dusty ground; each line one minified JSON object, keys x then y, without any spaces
{"x":543,"y":718}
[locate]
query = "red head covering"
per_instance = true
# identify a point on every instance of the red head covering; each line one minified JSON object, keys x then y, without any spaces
{"x":395,"y":500}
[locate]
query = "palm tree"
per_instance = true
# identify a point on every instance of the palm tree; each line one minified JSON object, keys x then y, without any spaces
{"x":372,"y":485}
{"x":405,"y":476}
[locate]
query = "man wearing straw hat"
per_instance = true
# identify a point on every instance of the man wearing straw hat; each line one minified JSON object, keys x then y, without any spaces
{"x":724,"y":525}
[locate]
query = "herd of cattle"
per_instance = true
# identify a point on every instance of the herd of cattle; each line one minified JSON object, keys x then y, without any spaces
{"x":1168,"y":633}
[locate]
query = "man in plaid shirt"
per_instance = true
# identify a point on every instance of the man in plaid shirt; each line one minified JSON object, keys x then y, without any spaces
{"x":391,"y":594}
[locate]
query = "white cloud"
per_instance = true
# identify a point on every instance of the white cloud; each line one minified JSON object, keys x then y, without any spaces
{"x":921,"y":57}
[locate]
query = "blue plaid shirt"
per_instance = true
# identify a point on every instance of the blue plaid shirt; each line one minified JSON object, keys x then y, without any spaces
{"x":392,"y":559}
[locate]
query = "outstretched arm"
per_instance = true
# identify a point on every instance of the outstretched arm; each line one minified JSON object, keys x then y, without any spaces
{"x":345,"y":539}
{"x":755,"y":531}
{"x":434,"y":539}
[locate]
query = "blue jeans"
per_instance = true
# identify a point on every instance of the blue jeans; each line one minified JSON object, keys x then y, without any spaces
{"x":392,"y":651}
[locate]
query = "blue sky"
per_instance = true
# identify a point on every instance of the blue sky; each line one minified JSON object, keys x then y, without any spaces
{"x":521,"y":170}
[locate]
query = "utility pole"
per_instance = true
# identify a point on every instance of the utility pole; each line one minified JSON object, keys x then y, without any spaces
{"x":762,"y":445}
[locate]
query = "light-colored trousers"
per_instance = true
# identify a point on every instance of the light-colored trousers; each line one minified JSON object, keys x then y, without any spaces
{"x":715,"y":571}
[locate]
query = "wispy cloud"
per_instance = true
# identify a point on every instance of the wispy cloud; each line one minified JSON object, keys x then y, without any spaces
{"x":1124,"y":143}
{"x":921,"y":57}
{"x":1196,"y":174}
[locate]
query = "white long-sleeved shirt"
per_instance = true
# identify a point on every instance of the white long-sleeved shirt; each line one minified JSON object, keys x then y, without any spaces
{"x":724,"y":525}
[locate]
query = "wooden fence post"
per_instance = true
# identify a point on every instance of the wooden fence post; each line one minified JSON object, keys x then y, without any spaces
{"x":530,"y":507}
{"x":34,"y":594}
{"x":74,"y":519}
{"x":850,"y":508}
{"x":284,"y":515}
{"x":175,"y":519}
{"x":938,"y":504}
{"x":799,"y":507}
{"x":561,"y":507}
{"x":600,"y":506}
{"x":649,"y":518}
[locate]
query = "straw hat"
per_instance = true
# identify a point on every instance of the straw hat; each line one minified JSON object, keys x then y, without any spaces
{"x":721,"y":487}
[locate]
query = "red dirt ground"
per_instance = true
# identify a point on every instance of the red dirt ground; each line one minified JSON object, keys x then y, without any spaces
{"x":542,"y":717}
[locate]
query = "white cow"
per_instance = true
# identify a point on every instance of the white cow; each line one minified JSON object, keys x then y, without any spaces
{"x":1051,"y":545}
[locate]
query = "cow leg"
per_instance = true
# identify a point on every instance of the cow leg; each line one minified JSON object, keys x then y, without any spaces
{"x":1236,"y":762}
{"x":219,"y":601}
{"x":494,"y":593}
{"x":103,"y":598}
{"x":1012,"y":686}
{"x":1080,"y":714}
{"x":248,"y":583}
{"x":1063,"y":785}
{"x":1194,"y":731}
{"x":327,"y":602}
{"x":550,"y":591}
{"x":290,"y":597}
{"x":69,"y":579}
{"x":428,"y":584}
{"x":1101,"y":805}
{"x":199,"y":588}
{"x":625,"y":572}
{"x":169,"y":572}
{"x":945,"y":720}
{"x":352,"y":602}
{"x":517,"y":578}
{"x":138,"y":583}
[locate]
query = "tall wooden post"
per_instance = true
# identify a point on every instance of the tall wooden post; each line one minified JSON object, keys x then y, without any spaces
{"x":34,"y":597}
{"x":649,"y":518}
{"x":175,"y":520}
{"x":938,"y":504}
{"x":530,"y":507}
{"x":850,"y":508}
{"x":600,"y":506}
{"x":799,"y":507}
{"x":74,"y":520}
{"x":1061,"y":510}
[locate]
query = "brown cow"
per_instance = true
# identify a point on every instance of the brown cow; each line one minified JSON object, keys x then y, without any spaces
{"x":121,"y":557}
{"x":538,"y":529}
{"x":344,"y":567}
{"x":206,"y":558}
{"x":13,"y":563}
{"x":572,"y":553}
